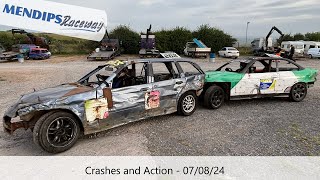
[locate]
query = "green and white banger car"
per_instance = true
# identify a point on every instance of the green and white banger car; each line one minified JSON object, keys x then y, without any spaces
{"x":256,"y":78}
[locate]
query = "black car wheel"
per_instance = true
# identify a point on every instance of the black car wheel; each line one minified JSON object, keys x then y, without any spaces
{"x":56,"y":132}
{"x":214,"y":97}
{"x":187,"y":104}
{"x":298,"y":92}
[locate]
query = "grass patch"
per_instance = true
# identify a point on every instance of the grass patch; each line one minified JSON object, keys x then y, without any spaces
{"x":245,"y":51}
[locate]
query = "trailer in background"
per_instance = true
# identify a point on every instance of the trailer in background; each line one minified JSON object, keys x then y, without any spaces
{"x":258,"y":46}
{"x":298,"y":46}
{"x":196,"y":48}
{"x":148,"y":45}
{"x":109,"y":48}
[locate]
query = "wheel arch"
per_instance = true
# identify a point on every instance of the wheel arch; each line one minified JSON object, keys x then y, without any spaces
{"x":226,"y":86}
{"x":35,"y":116}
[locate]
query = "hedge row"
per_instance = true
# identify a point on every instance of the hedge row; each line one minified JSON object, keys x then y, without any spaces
{"x":166,"y":40}
{"x":174,"y":39}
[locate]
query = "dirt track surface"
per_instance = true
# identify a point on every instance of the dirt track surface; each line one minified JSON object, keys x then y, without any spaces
{"x":273,"y":127}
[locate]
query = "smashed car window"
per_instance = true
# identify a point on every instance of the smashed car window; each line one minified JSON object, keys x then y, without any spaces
{"x":260,"y":66}
{"x":189,"y":69}
{"x":163,"y":71}
{"x":100,"y":76}
{"x":131,"y":75}
{"x":283,"y":65}
{"x":234,"y":66}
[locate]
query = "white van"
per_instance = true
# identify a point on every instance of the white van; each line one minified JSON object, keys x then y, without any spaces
{"x":314,"y":53}
{"x":310,"y":44}
{"x":298,"y":46}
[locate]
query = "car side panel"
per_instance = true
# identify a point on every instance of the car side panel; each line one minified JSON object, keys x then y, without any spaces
{"x":256,"y":83}
{"x":128,"y":106}
{"x":286,"y":81}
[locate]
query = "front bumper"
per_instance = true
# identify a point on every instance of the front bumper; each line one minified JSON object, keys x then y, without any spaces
{"x":10,"y":127}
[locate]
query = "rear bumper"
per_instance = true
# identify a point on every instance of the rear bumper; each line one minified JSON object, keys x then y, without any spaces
{"x":232,"y":55}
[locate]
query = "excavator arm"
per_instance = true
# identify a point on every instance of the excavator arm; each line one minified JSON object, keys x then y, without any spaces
{"x":148,"y":32}
{"x":270,"y":32}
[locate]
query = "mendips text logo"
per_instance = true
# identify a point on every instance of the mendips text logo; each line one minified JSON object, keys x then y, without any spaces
{"x":64,"y":21}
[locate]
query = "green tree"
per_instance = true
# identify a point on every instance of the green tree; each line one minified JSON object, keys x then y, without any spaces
{"x":129,"y":38}
{"x":213,"y":37}
{"x":173,"y":40}
{"x":298,"y":37}
{"x":315,"y":36}
{"x":288,"y":37}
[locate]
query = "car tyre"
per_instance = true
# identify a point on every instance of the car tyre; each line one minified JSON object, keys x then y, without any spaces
{"x":310,"y":56}
{"x":214,"y":97}
{"x":56,"y":131}
{"x":187,"y":104}
{"x":298,"y":92}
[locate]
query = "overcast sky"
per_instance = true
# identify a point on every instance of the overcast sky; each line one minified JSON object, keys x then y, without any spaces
{"x":290,"y":16}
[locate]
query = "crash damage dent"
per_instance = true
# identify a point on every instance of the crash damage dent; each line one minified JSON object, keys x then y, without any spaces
{"x":30,"y":107}
{"x":194,"y":83}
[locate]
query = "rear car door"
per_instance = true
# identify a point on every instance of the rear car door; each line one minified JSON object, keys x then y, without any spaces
{"x":166,"y":85}
{"x":286,"y":76}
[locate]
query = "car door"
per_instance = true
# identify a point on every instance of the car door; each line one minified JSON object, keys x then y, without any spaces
{"x":286,"y":76}
{"x":166,"y":85}
{"x":258,"y":80}
{"x":129,"y":101}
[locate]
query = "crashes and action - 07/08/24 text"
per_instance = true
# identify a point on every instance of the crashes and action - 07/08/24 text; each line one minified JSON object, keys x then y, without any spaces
{"x":187,"y":170}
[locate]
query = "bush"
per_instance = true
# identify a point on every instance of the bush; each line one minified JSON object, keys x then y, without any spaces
{"x":213,"y":37}
{"x":298,"y":37}
{"x":173,"y":40}
{"x":129,"y":39}
{"x":315,"y":36}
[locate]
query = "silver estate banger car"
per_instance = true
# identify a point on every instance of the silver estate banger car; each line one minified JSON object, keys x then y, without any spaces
{"x":111,"y":95}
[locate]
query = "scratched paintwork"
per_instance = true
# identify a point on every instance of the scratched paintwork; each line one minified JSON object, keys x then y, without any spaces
{"x":128,"y":102}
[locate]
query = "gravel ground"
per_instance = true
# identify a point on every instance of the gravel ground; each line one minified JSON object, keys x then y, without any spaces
{"x":261,"y":127}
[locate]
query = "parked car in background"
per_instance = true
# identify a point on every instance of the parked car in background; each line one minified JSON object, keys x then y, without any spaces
{"x":314,"y":53}
{"x":257,"y":78}
{"x":39,"y":53}
{"x":16,"y":50}
{"x":111,"y":95}
{"x":229,"y":52}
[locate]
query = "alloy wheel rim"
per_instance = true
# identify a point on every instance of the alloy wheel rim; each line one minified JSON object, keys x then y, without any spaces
{"x":299,"y":91}
{"x":61,"y":132}
{"x":188,"y":103}
{"x":217,"y":98}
